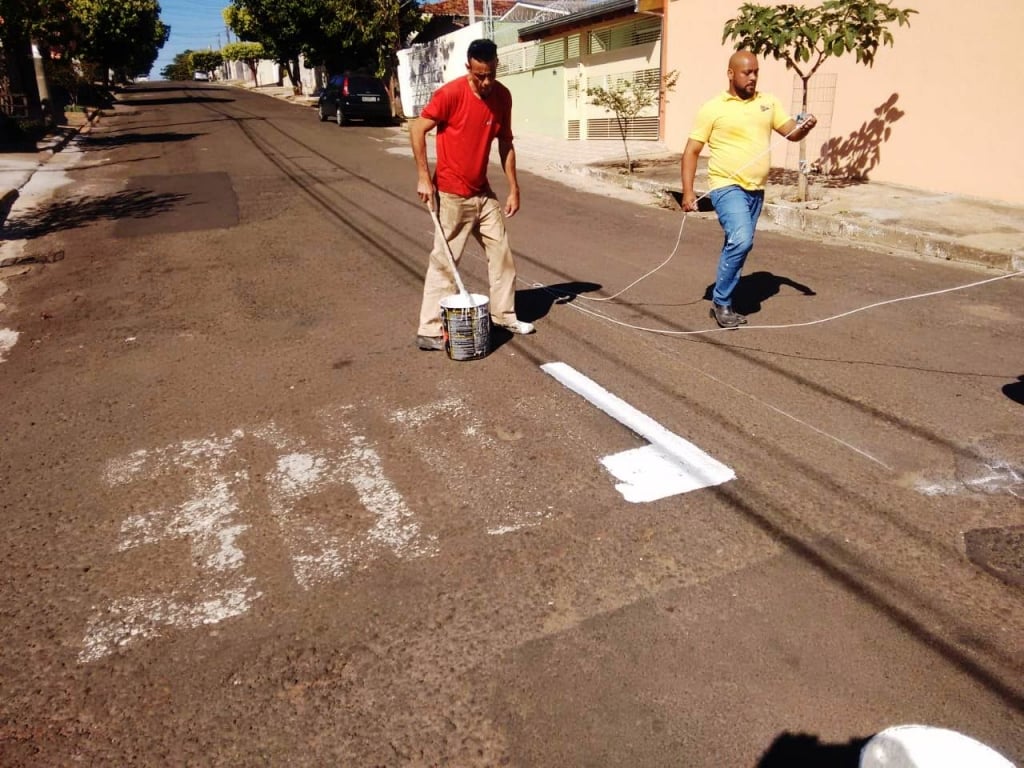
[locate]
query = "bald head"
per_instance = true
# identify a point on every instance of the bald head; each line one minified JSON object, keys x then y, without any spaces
{"x":742,"y":73}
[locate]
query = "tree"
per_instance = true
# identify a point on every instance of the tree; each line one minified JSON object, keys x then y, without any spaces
{"x":626,"y":99}
{"x":248,"y":53}
{"x":48,"y":23}
{"x":805,"y":37}
{"x":367,"y":34}
{"x":122,"y":36}
{"x":180,"y":67}
{"x":282,"y":26}
{"x":206,"y":61}
{"x":44,"y":24}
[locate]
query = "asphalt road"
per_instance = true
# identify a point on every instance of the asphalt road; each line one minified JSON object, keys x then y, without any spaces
{"x":246,"y":522}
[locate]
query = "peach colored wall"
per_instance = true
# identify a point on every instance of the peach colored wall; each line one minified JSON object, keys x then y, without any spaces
{"x":953,"y":74}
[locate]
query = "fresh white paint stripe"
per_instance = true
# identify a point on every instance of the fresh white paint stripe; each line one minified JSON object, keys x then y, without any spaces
{"x":647,"y":474}
{"x":670,"y":465}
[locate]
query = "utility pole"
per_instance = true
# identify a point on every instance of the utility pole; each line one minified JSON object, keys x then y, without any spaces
{"x":45,"y":104}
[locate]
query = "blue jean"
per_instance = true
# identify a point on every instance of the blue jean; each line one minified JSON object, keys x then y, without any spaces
{"x":738,"y":210}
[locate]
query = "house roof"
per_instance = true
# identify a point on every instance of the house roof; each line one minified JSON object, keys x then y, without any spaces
{"x":461,"y":7}
{"x":597,"y":10}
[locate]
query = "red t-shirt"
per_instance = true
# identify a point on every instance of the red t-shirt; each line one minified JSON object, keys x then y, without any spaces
{"x":466,"y":126}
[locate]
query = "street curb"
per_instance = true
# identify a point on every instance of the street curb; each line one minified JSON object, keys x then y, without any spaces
{"x":879,"y":236}
{"x":850,"y":230}
{"x":45,"y":149}
{"x":7,"y":200}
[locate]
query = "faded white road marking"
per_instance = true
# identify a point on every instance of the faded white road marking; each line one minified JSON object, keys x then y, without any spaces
{"x":210,"y":520}
{"x":8,"y":339}
{"x":449,"y":408}
{"x":319,"y":556}
{"x":668,"y":466}
{"x":442,"y":455}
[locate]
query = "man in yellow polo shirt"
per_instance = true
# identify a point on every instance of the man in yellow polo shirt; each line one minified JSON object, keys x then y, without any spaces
{"x":737,"y":126}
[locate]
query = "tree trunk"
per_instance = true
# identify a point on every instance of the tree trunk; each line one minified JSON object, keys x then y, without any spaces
{"x":45,"y":102}
{"x":802,"y":182}
{"x":292,"y":68}
{"x":391,"y":85}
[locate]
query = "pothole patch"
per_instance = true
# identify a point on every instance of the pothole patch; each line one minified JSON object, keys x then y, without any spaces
{"x":1000,"y":551}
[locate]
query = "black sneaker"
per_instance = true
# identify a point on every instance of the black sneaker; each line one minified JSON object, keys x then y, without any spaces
{"x":430,"y":343}
{"x":725,"y":317}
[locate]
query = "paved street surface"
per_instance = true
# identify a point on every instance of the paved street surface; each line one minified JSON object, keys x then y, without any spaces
{"x":246,"y":522}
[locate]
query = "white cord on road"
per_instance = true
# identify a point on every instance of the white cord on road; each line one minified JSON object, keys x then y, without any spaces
{"x":819,"y":321}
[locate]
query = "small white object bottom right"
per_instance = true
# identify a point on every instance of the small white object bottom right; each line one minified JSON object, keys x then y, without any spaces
{"x":922,"y":746}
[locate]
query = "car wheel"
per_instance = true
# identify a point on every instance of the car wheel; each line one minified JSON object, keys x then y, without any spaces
{"x":340,"y":116}
{"x":320,"y":112}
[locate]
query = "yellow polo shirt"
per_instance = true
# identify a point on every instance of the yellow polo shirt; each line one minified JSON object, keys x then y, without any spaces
{"x":738,"y":133}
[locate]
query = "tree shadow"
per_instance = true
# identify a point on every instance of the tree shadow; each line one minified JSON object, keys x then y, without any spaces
{"x":92,"y":143}
{"x":850,"y":161}
{"x":758,"y":287}
{"x":805,"y":750}
{"x":72,"y":213}
{"x":170,"y":100}
{"x":1015,"y":390}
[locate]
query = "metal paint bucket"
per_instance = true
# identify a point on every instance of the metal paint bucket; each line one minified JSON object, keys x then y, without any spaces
{"x":466,"y":326}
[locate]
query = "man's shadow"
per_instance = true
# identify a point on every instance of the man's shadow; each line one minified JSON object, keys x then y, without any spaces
{"x":1015,"y":390}
{"x":805,"y":750}
{"x":535,"y":303}
{"x":757,"y":287}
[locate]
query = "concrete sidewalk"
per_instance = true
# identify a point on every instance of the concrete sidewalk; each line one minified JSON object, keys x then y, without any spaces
{"x":871,"y":214}
{"x":18,"y":167}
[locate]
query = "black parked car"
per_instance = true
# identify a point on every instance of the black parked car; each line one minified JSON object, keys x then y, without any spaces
{"x":354,"y":97}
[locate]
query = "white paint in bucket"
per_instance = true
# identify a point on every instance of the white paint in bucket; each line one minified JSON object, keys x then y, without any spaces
{"x":466,"y":326}
{"x":922,"y":746}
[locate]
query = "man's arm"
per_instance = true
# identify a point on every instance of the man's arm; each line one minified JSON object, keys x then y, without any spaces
{"x":689,"y":170}
{"x":418,"y":131}
{"x":507,"y":154}
{"x":795,"y":131}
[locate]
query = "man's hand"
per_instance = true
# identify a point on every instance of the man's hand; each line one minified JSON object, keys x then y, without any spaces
{"x":808,"y":123}
{"x":425,"y":189}
{"x":512,"y":203}
{"x":689,"y":202}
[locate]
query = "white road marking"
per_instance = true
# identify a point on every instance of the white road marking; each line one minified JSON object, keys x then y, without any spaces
{"x":668,"y":466}
{"x":209,"y":518}
{"x":443,"y":456}
{"x":319,"y":556}
{"x":451,"y":407}
{"x":8,"y":339}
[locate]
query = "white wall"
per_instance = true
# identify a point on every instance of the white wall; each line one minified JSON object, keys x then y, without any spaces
{"x":422,"y":69}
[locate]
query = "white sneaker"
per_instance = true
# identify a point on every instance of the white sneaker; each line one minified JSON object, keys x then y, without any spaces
{"x":518,"y":326}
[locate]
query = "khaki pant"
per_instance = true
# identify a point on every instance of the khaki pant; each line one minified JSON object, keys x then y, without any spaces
{"x":480,"y":216}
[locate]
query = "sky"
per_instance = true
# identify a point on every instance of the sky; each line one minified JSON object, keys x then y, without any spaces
{"x":195,"y":24}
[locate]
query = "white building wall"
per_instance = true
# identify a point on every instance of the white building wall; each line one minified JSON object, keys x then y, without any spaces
{"x":422,"y":69}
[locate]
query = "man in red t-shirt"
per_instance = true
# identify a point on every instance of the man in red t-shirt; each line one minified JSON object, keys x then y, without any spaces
{"x":469,"y":113}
